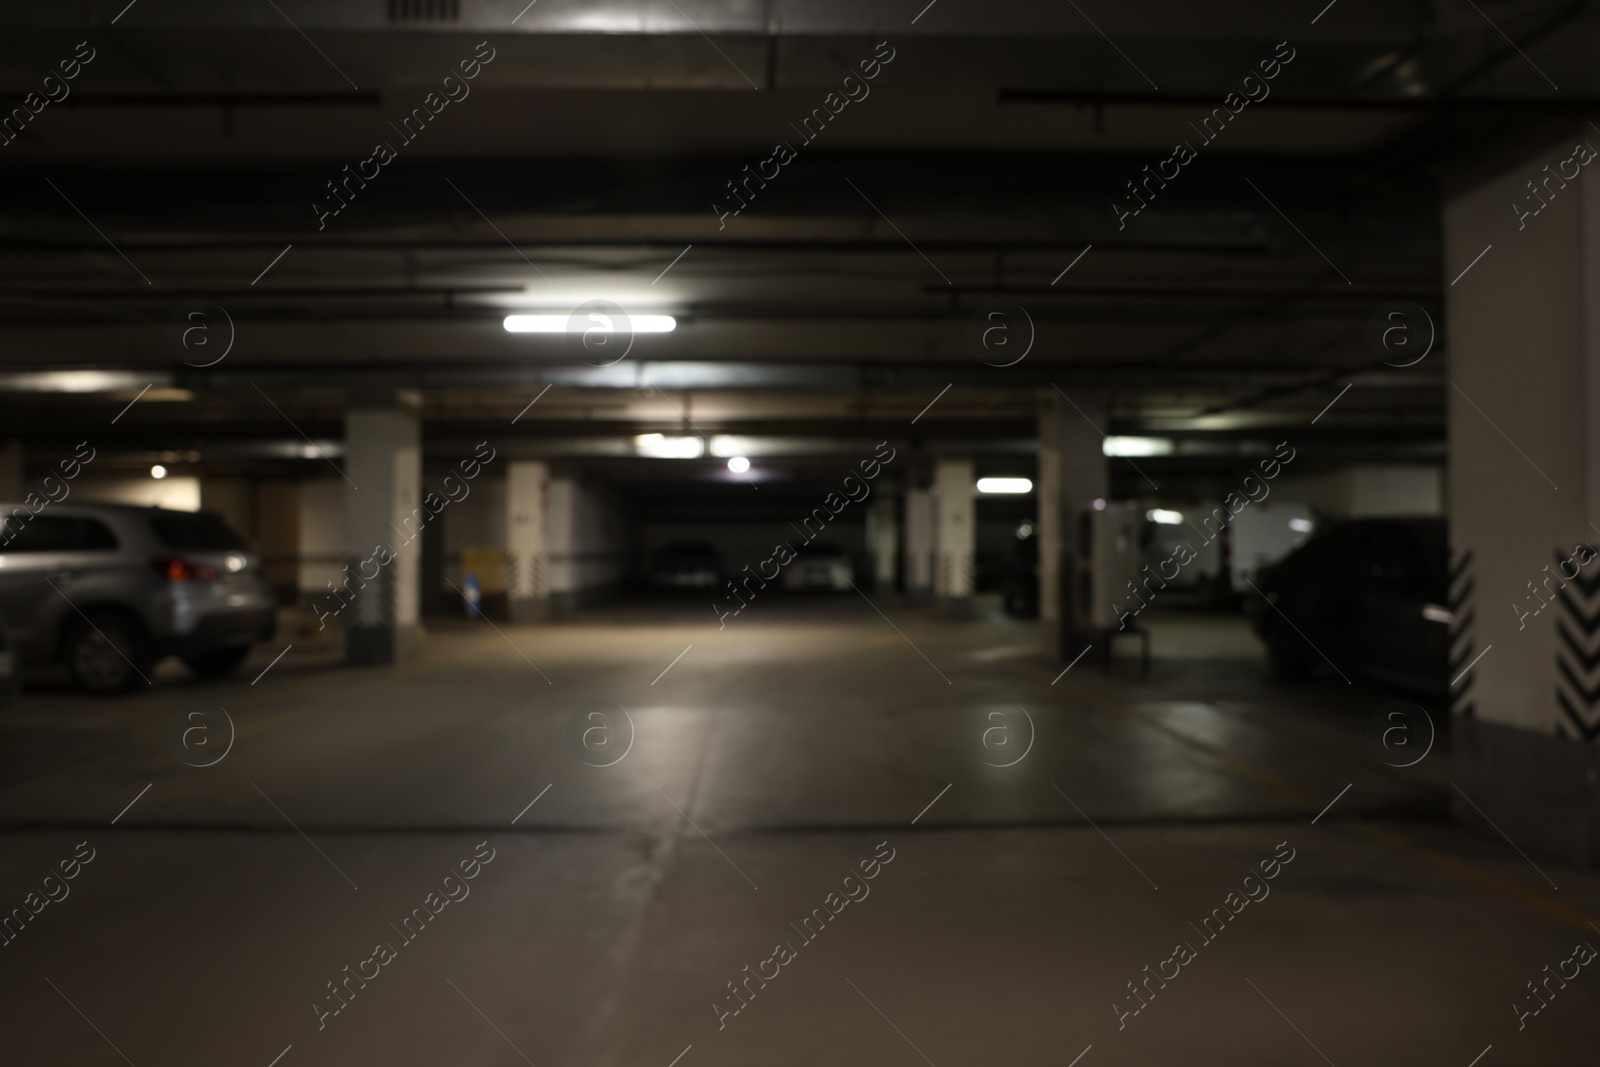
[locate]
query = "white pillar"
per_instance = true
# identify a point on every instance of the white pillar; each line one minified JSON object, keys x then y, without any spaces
{"x":527,"y":563}
{"x":919,"y":541}
{"x":384,"y":515}
{"x":955,"y":528}
{"x":883,"y":538}
{"x":1072,"y":475}
{"x":561,"y":542}
{"x":1524,"y":492}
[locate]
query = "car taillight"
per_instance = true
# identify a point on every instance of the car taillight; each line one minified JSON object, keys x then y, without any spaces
{"x":175,"y":569}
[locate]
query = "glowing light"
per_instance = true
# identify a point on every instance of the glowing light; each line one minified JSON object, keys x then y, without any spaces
{"x":158,"y":472}
{"x":660,"y":446}
{"x":738,"y":464}
{"x":1005,"y":485}
{"x":1136,"y":446}
{"x":1300,"y":525}
{"x":558,"y":323}
{"x":1164,"y":517}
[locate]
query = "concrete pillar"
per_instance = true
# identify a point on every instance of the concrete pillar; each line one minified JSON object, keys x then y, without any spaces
{"x":561,"y":543}
{"x":11,"y":471}
{"x":883,"y":538}
{"x":1524,"y":493}
{"x":954,"y":529}
{"x":918,"y":568}
{"x":527,"y":564}
{"x":384,"y":515}
{"x":1073,"y":473}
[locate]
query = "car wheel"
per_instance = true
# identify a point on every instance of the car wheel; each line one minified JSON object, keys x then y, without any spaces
{"x":107,"y":652}
{"x":1287,"y":653}
{"x":218,"y":663}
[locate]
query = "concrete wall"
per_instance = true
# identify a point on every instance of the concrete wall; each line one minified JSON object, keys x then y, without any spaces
{"x":235,"y":500}
{"x":589,"y":541}
{"x":321,"y":533}
{"x":178,"y":492}
{"x":1368,"y":491}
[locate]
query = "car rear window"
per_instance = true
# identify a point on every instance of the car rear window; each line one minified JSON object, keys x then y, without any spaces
{"x":54,"y":533}
{"x":199,"y":531}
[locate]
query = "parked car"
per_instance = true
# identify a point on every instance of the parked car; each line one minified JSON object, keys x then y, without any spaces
{"x":687,"y":565}
{"x":825,"y":567}
{"x":1372,"y":595}
{"x":108,"y":590}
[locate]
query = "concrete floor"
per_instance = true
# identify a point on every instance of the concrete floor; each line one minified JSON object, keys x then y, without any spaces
{"x":802,"y":739}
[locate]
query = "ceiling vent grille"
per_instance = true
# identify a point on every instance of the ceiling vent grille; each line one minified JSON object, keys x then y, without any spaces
{"x":404,"y":11}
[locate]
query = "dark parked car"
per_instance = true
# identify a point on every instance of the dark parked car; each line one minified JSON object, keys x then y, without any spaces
{"x":110,"y":589}
{"x":686,"y":565}
{"x":1370,"y":594}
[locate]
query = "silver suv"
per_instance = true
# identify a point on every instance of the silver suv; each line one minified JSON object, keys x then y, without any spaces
{"x":109,"y":589}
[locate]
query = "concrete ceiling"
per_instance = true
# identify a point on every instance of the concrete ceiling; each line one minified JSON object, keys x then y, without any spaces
{"x":591,"y":149}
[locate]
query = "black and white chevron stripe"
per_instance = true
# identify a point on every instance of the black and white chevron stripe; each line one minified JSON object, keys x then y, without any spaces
{"x":1461,"y":643}
{"x":1578,"y":654}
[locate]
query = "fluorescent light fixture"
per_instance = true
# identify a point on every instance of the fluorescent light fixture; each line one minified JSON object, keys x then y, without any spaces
{"x":1004,"y":485}
{"x":738,"y":464}
{"x":558,"y":323}
{"x":660,"y":446}
{"x":158,"y":472}
{"x":1300,"y":525}
{"x":1136,"y":446}
{"x":80,"y":381}
{"x":1164,"y":517}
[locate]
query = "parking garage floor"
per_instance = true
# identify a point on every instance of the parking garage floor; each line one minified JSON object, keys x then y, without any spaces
{"x":1010,"y":911}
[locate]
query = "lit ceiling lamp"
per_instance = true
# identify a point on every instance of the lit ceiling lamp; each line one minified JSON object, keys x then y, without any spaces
{"x":1005,"y":485}
{"x":738,"y":464}
{"x":1136,"y":446}
{"x":1164,"y":517}
{"x":158,"y":472}
{"x":559,"y":323}
{"x":660,"y":446}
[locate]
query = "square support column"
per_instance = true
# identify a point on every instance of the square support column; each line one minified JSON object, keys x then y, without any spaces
{"x":383,"y":519}
{"x":1073,"y":473}
{"x":954,"y":529}
{"x":527,"y":540}
{"x":883,"y":540}
{"x":1524,"y":499}
{"x":918,"y":565}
